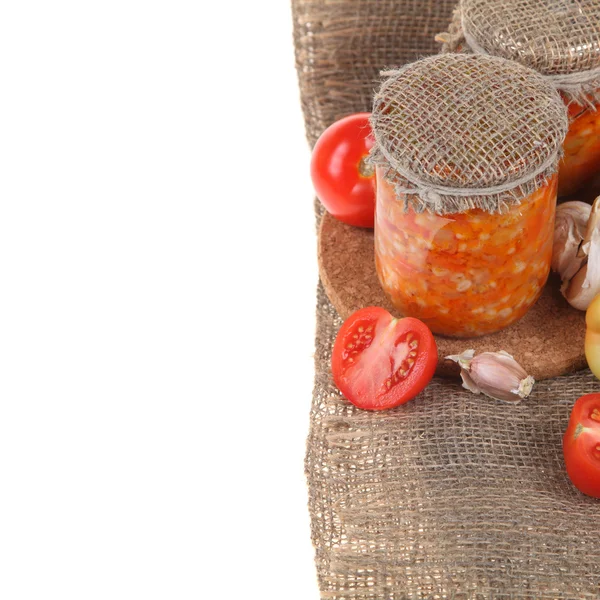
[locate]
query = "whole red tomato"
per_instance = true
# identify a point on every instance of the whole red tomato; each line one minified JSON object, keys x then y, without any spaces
{"x":379,"y":362}
{"x":344,"y":182}
{"x":581,"y":445}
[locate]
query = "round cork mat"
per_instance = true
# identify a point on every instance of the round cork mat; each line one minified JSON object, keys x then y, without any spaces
{"x":548,"y":341}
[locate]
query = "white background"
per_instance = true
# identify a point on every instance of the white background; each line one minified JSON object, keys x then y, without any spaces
{"x":157,"y":291}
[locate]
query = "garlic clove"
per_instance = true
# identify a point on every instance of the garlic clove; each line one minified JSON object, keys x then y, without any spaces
{"x":580,"y":269}
{"x":575,"y":293}
{"x":495,"y":374}
{"x":569,"y":231}
{"x":585,"y":285}
{"x":590,"y":229}
{"x":499,"y":376}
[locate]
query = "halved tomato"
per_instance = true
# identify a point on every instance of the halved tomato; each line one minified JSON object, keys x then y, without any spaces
{"x":379,"y":362}
{"x":581,"y":445}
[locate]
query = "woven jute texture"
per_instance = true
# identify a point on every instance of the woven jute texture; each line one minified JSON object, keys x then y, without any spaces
{"x":450,"y":495}
{"x":558,"y":38}
{"x":463,"y":131}
{"x":341,"y":46}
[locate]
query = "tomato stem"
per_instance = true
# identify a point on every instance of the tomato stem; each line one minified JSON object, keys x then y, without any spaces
{"x":365,"y":168}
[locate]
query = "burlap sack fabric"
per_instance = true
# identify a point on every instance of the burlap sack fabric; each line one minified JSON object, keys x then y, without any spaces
{"x":451,"y":495}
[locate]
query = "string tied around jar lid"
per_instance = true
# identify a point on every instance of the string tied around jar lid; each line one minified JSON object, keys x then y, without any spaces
{"x":455,"y":132}
{"x":434,"y":194}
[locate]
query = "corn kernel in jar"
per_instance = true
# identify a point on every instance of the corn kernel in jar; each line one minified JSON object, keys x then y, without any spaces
{"x":465,"y":274}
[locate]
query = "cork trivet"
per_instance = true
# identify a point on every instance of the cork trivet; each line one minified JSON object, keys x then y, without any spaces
{"x":548,"y":341}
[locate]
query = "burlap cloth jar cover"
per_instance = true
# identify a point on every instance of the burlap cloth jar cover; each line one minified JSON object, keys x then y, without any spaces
{"x":451,"y":495}
{"x":558,"y":38}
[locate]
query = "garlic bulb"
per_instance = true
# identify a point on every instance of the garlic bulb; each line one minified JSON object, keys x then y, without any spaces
{"x":495,"y":374}
{"x":576,"y":251}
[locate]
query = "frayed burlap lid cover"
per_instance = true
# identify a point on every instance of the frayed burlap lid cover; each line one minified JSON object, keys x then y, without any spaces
{"x":462,"y":131}
{"x":558,"y":38}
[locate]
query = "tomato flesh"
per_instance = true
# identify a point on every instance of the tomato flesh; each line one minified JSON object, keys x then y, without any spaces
{"x":379,"y":362}
{"x":581,"y":445}
{"x":343,"y":181}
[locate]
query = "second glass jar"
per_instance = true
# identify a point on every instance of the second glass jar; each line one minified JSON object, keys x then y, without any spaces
{"x":581,"y":160}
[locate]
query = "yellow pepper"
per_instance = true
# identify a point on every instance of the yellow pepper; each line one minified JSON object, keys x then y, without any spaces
{"x":592,"y":336}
